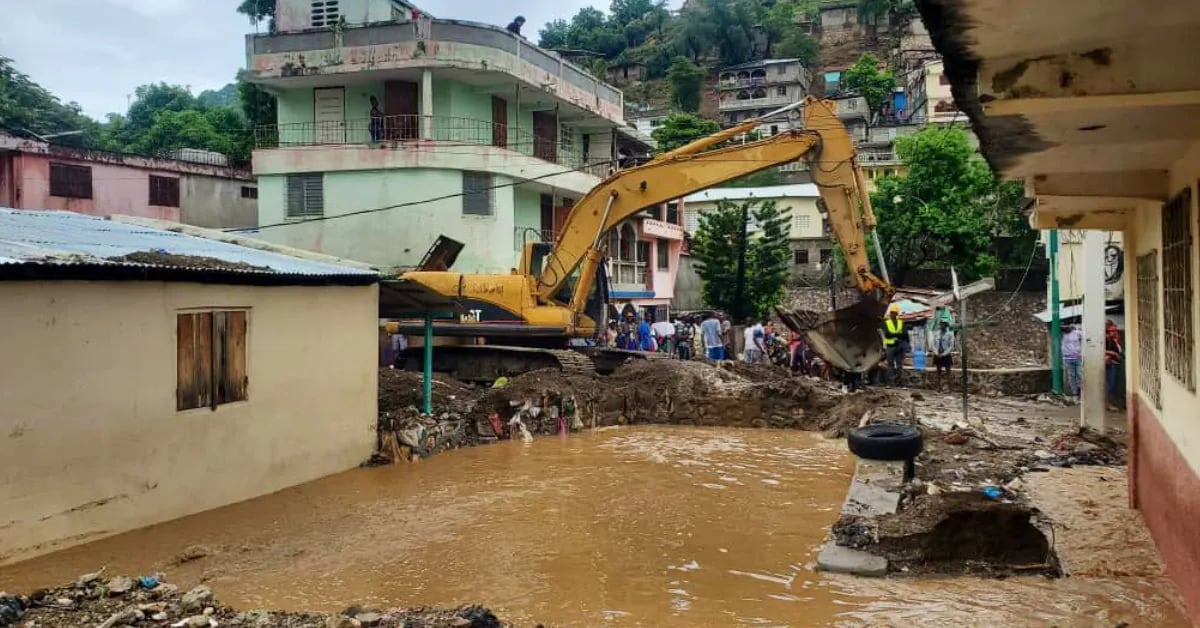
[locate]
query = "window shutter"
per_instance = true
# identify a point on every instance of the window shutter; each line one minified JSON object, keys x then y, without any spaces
{"x":477,"y":194}
{"x":305,"y":195}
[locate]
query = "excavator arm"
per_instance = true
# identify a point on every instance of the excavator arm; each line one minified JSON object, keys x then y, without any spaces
{"x":824,"y":143}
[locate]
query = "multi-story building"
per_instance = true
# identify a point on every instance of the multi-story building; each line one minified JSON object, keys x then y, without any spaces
{"x":756,"y":88}
{"x":643,"y":261}
{"x":811,"y":246}
{"x":1105,"y":138}
{"x":203,"y":189}
{"x":927,"y":90}
{"x":395,"y":127}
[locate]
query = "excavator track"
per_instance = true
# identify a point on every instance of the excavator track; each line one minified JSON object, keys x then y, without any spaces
{"x":486,"y":363}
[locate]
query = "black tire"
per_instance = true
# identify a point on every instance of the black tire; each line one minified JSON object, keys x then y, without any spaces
{"x":885,"y":442}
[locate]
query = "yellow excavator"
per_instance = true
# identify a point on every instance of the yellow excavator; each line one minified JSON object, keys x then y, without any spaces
{"x":527,"y":320}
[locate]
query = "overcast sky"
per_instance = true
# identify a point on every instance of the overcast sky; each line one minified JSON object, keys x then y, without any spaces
{"x":95,"y":52}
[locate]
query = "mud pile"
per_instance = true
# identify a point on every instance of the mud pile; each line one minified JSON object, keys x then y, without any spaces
{"x":693,"y":393}
{"x":95,"y":600}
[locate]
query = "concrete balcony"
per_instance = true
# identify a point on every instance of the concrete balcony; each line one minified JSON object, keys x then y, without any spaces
{"x":424,"y":142}
{"x":770,"y":100}
{"x":332,"y":56}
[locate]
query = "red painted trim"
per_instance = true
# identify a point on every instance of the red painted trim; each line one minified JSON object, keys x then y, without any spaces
{"x":1167,"y":492}
{"x":1131,"y":429}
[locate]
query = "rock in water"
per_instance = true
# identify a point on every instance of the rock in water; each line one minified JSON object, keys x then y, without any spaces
{"x":368,"y":619}
{"x":197,"y":598}
{"x":120,"y":585}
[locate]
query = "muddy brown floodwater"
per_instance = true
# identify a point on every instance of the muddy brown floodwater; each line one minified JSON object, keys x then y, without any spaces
{"x":654,"y":526}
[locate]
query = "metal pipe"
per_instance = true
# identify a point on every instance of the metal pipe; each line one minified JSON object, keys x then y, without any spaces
{"x":1056,"y":373}
{"x":883,"y":271}
{"x":612,"y":196}
{"x":427,"y":380}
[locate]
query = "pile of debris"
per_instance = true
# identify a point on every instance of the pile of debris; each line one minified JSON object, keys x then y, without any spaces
{"x":690,"y":393}
{"x":404,"y":432}
{"x":641,"y":392}
{"x":95,"y":601}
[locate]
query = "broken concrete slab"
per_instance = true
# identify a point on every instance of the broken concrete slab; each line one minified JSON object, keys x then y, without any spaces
{"x":865,"y":499}
{"x":837,"y":559}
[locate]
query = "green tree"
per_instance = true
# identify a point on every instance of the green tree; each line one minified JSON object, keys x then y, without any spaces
{"x":553,"y":34}
{"x":257,"y":10}
{"x":258,"y":107}
{"x":687,"y":79}
{"x":26,"y":106}
{"x":797,"y":44}
{"x":718,"y":247}
{"x":866,"y":79}
{"x":227,"y":96}
{"x":191,"y":128}
{"x":681,"y":128}
{"x":945,"y":209}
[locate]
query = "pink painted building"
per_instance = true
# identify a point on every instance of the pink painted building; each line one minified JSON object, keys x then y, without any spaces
{"x":38,"y":175}
{"x":643,"y":260}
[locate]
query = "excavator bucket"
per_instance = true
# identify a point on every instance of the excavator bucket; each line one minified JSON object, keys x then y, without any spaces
{"x":848,"y":338}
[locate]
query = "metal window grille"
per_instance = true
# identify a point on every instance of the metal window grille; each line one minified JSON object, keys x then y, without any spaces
{"x":164,"y":191}
{"x":477,"y":194}
{"x":70,"y":181}
{"x":800,"y":257}
{"x":1147,"y":326}
{"x":249,"y":191}
{"x":662,"y":251}
{"x":803,"y":222}
{"x":1178,"y":335}
{"x":305,"y":195}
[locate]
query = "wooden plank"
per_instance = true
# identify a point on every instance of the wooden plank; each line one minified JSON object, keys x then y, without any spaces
{"x":235,"y":381}
{"x":218,"y":359}
{"x":185,"y":362}
{"x":203,"y":381}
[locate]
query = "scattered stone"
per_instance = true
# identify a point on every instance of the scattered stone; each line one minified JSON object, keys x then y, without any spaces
{"x":341,"y":621}
{"x":1042,"y":454}
{"x":195,"y":599}
{"x":195,"y":621}
{"x":955,"y":438}
{"x":11,"y":609}
{"x":193,"y":552}
{"x":369,"y":619}
{"x":208,"y":610}
{"x":120,"y":585}
{"x":1084,"y":448}
{"x":159,"y":616}
{"x":89,"y":578}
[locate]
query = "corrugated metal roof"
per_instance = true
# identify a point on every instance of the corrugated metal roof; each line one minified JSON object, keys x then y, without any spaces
{"x":39,"y":238}
{"x":796,"y":190}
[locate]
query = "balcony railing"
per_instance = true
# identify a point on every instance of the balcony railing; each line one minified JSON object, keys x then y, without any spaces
{"x":398,"y":130}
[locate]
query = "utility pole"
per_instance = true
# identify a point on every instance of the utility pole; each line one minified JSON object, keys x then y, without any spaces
{"x":1056,"y":374}
{"x":739,"y":291}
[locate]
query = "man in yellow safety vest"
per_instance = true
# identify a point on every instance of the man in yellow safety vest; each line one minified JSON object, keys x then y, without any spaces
{"x":894,"y":341}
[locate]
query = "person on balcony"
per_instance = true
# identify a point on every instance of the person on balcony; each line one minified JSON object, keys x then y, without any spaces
{"x":514,"y":26}
{"x":376,"y":125}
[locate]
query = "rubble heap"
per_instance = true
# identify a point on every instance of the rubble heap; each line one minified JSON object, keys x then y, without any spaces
{"x":97,"y":601}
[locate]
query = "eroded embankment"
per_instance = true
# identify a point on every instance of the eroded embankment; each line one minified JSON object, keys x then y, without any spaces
{"x":642,"y":392}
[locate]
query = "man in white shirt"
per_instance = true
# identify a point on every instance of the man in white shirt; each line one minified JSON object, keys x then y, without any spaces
{"x":756,"y":348}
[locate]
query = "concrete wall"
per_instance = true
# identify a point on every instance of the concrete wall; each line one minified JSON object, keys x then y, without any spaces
{"x":1071,"y":264}
{"x":92,"y":444}
{"x":1165,"y":467}
{"x":401,"y":236}
{"x":806,"y":219}
{"x":688,"y":285}
{"x":216,"y":203}
{"x":124,"y":188}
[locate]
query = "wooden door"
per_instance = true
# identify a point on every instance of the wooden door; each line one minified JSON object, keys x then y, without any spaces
{"x":499,"y":122}
{"x":545,"y":135}
{"x":329,"y":115}
{"x":400,"y":100}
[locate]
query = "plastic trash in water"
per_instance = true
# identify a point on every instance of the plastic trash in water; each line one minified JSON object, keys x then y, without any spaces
{"x":148,"y":582}
{"x":993,"y":492}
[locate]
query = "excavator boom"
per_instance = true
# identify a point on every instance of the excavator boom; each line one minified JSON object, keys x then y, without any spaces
{"x":551,"y":288}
